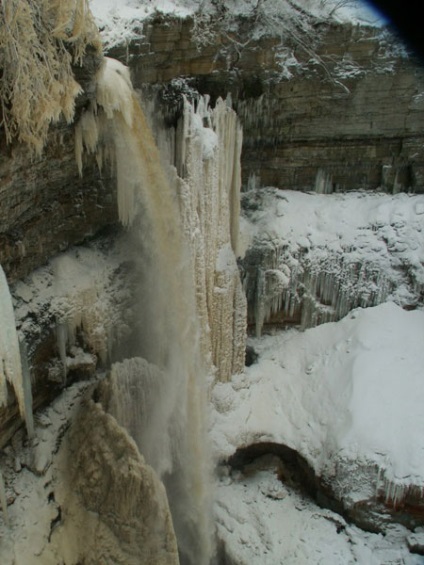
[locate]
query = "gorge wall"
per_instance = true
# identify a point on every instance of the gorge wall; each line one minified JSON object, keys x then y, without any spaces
{"x":349,"y":118}
{"x":317,"y":117}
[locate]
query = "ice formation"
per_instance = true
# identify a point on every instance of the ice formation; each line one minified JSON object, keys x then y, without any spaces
{"x":323,"y":182}
{"x":208,"y":163}
{"x":174,"y":295}
{"x":315,"y":293}
{"x":11,"y":370}
{"x":82,"y":303}
{"x":314,"y":272}
{"x":116,"y":507}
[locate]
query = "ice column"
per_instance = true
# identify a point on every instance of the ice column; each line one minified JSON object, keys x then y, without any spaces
{"x":10,"y":358}
{"x":208,"y":151}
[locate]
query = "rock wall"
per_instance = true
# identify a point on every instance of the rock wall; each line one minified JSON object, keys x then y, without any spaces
{"x":350,"y":108}
{"x":45,"y":206}
{"x":352,"y":117}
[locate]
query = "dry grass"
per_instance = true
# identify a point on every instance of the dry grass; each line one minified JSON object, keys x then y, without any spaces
{"x":39,"y":41}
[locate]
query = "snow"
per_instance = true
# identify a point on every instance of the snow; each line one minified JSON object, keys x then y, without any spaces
{"x":370,"y":227}
{"x":345,"y":391}
{"x":352,"y":249}
{"x":348,"y":396}
{"x":30,"y":473}
{"x":119,"y":20}
{"x":263,"y":522}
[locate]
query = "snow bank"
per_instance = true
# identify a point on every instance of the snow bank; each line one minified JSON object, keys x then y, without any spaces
{"x":365,"y":227}
{"x":119,"y":20}
{"x":346,"y":391}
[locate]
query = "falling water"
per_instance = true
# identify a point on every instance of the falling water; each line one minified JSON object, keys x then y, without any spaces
{"x":161,"y":396}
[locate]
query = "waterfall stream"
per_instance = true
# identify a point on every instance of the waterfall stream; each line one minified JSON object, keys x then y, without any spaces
{"x":184,"y":232}
{"x":171,"y":376}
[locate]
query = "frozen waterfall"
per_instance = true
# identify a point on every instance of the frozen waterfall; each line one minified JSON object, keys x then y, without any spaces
{"x":192,"y":309}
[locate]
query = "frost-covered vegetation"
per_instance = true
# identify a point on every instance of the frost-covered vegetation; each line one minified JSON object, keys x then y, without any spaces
{"x":40,"y":40}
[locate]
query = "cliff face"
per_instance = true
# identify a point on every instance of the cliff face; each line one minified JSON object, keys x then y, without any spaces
{"x":344,"y":113}
{"x":45,"y":206}
{"x":352,"y":117}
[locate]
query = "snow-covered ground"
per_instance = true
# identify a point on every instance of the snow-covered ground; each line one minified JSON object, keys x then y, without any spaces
{"x":262,"y":522}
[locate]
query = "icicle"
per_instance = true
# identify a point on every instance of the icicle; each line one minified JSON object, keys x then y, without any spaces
{"x":3,"y":501}
{"x":323,"y":182}
{"x":208,"y":157}
{"x":62,"y":340}
{"x":10,"y":356}
{"x":86,"y":135}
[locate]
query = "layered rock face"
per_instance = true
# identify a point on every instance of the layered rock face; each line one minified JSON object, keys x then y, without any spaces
{"x":318,"y":118}
{"x":45,"y":206}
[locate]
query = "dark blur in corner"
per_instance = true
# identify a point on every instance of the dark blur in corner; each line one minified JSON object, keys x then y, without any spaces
{"x":405,"y":17}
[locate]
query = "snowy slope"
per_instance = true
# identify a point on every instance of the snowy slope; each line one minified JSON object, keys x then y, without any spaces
{"x":119,"y":20}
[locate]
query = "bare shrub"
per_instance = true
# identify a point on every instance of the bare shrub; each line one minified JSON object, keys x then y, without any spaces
{"x":39,"y":41}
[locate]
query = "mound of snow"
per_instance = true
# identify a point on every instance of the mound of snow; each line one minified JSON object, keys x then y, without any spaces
{"x":346,"y":391}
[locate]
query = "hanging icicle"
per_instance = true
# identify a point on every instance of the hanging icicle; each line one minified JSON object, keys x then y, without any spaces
{"x":10,"y":358}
